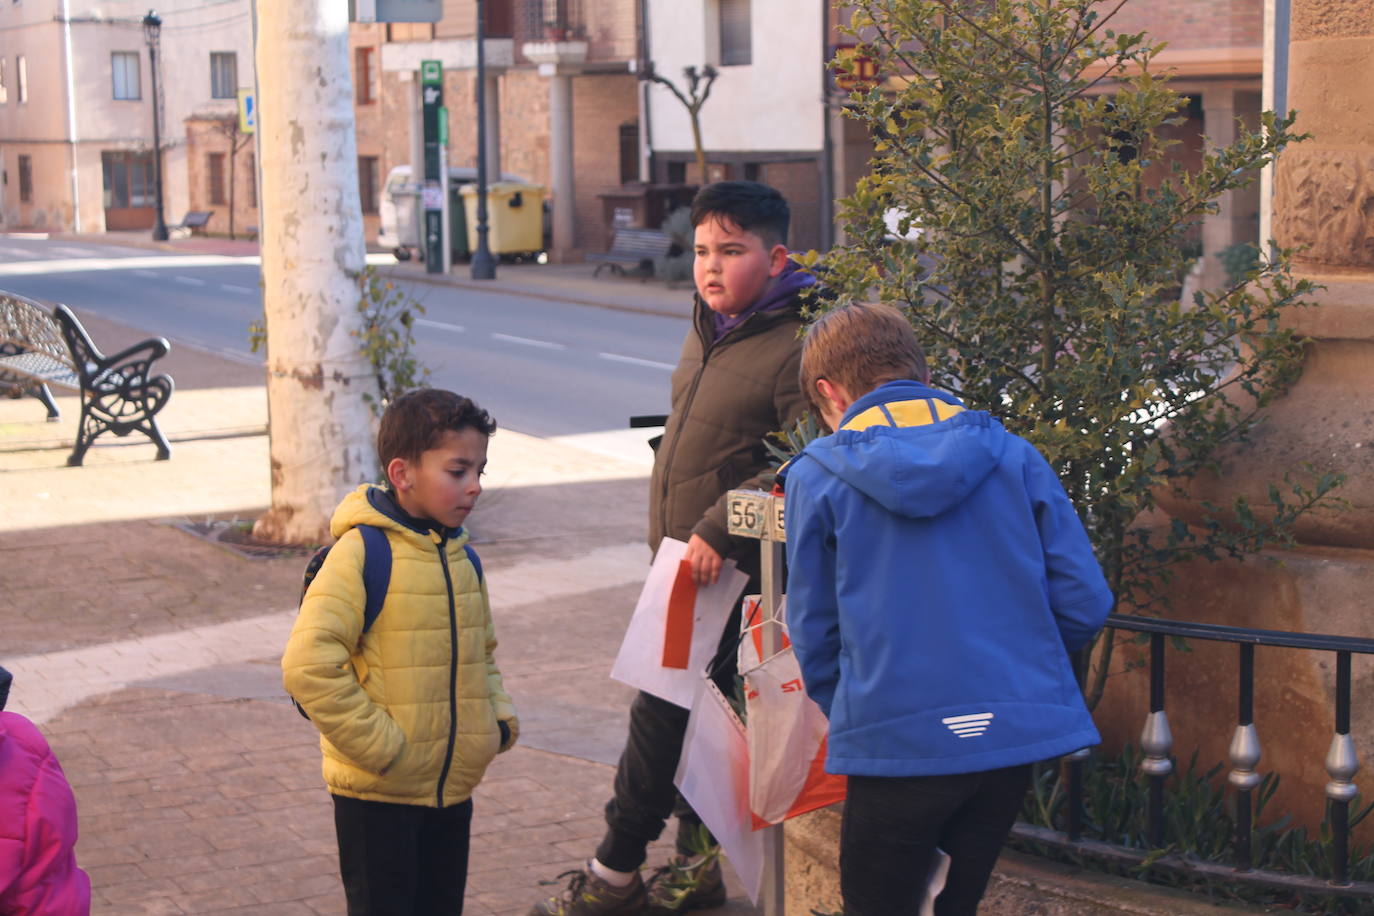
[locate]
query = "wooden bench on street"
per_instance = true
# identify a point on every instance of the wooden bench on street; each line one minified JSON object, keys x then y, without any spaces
{"x":192,"y":221}
{"x":633,"y":250}
{"x":119,"y":394}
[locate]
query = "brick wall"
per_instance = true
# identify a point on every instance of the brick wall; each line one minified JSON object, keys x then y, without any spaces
{"x":601,"y":104}
{"x":799,"y":182}
{"x":610,"y":26}
{"x":525,"y":125}
{"x":203,"y":137}
{"x":375,"y":123}
{"x":1188,"y":24}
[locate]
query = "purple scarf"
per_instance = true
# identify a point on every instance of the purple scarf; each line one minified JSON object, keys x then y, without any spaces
{"x":776,"y":295}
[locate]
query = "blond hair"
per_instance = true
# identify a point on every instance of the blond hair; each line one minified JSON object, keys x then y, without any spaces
{"x":860,"y":346}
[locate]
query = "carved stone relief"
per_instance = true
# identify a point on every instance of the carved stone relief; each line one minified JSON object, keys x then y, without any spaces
{"x":1324,"y":201}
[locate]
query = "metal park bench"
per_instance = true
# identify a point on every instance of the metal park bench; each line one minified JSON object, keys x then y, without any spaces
{"x":193,"y":220}
{"x":633,"y":249}
{"x":39,"y":348}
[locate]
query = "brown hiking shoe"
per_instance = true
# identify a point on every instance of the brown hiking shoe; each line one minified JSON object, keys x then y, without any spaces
{"x":588,"y":895}
{"x":686,"y":884}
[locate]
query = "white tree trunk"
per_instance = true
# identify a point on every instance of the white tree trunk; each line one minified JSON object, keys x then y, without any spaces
{"x":312,"y":252}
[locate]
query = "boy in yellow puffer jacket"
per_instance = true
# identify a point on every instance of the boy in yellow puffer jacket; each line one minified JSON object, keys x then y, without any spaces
{"x":411,"y":711}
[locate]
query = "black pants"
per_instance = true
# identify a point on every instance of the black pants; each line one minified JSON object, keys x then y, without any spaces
{"x":892,"y":826}
{"x":402,"y":860}
{"x":645,"y":796}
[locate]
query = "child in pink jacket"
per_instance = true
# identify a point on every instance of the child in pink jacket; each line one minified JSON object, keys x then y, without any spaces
{"x":38,"y":871}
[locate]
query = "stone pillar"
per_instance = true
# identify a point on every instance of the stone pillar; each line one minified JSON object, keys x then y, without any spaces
{"x":561,"y":167}
{"x":1324,"y":200}
{"x":1237,"y":219}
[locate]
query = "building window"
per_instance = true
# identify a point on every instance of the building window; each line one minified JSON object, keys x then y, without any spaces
{"x":677,"y":172}
{"x":26,"y":179}
{"x":21,"y":67}
{"x":252,"y":180}
{"x":367,"y":182}
{"x":4,"y":89}
{"x":224,"y":75}
{"x":362,"y":75}
{"x":128,"y":180}
{"x":214,"y":169}
{"x":736,"y":34}
{"x":124,"y":75}
{"x":629,"y":152}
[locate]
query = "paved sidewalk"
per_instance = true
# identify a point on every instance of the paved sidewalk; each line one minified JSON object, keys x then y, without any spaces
{"x":150,"y":655}
{"x":572,"y":283}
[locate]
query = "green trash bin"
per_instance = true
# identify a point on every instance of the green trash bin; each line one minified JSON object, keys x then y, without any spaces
{"x":457,"y":224}
{"x":515,"y":217}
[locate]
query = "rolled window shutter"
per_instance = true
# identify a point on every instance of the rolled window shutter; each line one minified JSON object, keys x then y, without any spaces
{"x":736,"y":32}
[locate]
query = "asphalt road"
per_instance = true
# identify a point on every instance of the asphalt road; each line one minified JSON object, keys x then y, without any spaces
{"x":541,"y":367}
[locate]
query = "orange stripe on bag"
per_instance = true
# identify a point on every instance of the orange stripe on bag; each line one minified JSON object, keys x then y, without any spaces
{"x":682,"y":610}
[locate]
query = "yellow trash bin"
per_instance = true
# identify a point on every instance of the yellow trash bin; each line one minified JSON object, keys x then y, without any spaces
{"x":515,"y":217}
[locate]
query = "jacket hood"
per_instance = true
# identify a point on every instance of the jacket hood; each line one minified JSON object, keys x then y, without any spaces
{"x":5,"y":680}
{"x":377,"y":506}
{"x":916,"y":451}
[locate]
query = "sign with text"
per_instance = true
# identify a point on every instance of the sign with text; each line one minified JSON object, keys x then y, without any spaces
{"x":755,"y":514}
{"x":431,"y":107}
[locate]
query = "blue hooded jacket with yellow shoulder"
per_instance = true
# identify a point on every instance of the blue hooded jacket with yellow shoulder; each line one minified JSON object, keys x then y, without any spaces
{"x":938,"y":578}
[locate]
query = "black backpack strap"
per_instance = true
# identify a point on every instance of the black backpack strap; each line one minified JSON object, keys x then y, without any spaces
{"x":376,"y":571}
{"x":476,"y":561}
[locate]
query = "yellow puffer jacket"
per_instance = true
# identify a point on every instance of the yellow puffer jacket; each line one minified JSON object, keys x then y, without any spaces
{"x":407,"y":712}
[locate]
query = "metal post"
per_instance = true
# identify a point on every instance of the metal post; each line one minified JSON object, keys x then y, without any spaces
{"x":152,"y":28}
{"x":1245,"y":756}
{"x":483,"y":265}
{"x":771,"y":568}
{"x":756,"y":514}
{"x":1156,"y":740}
{"x":1342,"y":763}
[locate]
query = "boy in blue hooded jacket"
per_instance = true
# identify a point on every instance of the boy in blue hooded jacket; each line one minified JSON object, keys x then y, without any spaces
{"x":938,"y":580}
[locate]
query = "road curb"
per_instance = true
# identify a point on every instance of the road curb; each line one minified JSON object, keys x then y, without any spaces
{"x":396,"y":272}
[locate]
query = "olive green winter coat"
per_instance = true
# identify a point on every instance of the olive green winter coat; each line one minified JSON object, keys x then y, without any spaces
{"x":726,"y":398}
{"x":408,"y":711}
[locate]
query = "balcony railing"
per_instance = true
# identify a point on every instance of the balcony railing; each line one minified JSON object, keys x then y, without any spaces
{"x":552,"y":20}
{"x":1156,"y":741}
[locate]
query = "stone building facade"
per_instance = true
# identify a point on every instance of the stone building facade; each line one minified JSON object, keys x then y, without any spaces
{"x":76,"y":113}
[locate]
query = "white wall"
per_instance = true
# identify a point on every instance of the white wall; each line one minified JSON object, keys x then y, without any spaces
{"x":773,"y":104}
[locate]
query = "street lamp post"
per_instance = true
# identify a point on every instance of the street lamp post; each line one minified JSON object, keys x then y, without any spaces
{"x":483,"y":266}
{"x":152,"y":28}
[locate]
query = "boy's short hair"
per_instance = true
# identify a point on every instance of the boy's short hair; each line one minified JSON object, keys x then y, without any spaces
{"x":861,"y":346}
{"x":414,"y":423}
{"x":753,"y":207}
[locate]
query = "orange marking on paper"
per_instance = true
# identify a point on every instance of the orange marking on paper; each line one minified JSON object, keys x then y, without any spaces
{"x":682,"y":610}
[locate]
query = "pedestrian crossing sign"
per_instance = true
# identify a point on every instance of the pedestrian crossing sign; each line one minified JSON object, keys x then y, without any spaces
{"x":248,"y":112}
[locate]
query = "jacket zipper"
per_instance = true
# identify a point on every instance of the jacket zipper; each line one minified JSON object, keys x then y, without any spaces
{"x":452,"y":675}
{"x":706,"y":350}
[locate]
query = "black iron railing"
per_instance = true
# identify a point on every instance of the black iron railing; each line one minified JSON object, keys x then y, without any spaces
{"x":552,"y":20}
{"x":1156,"y":741}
